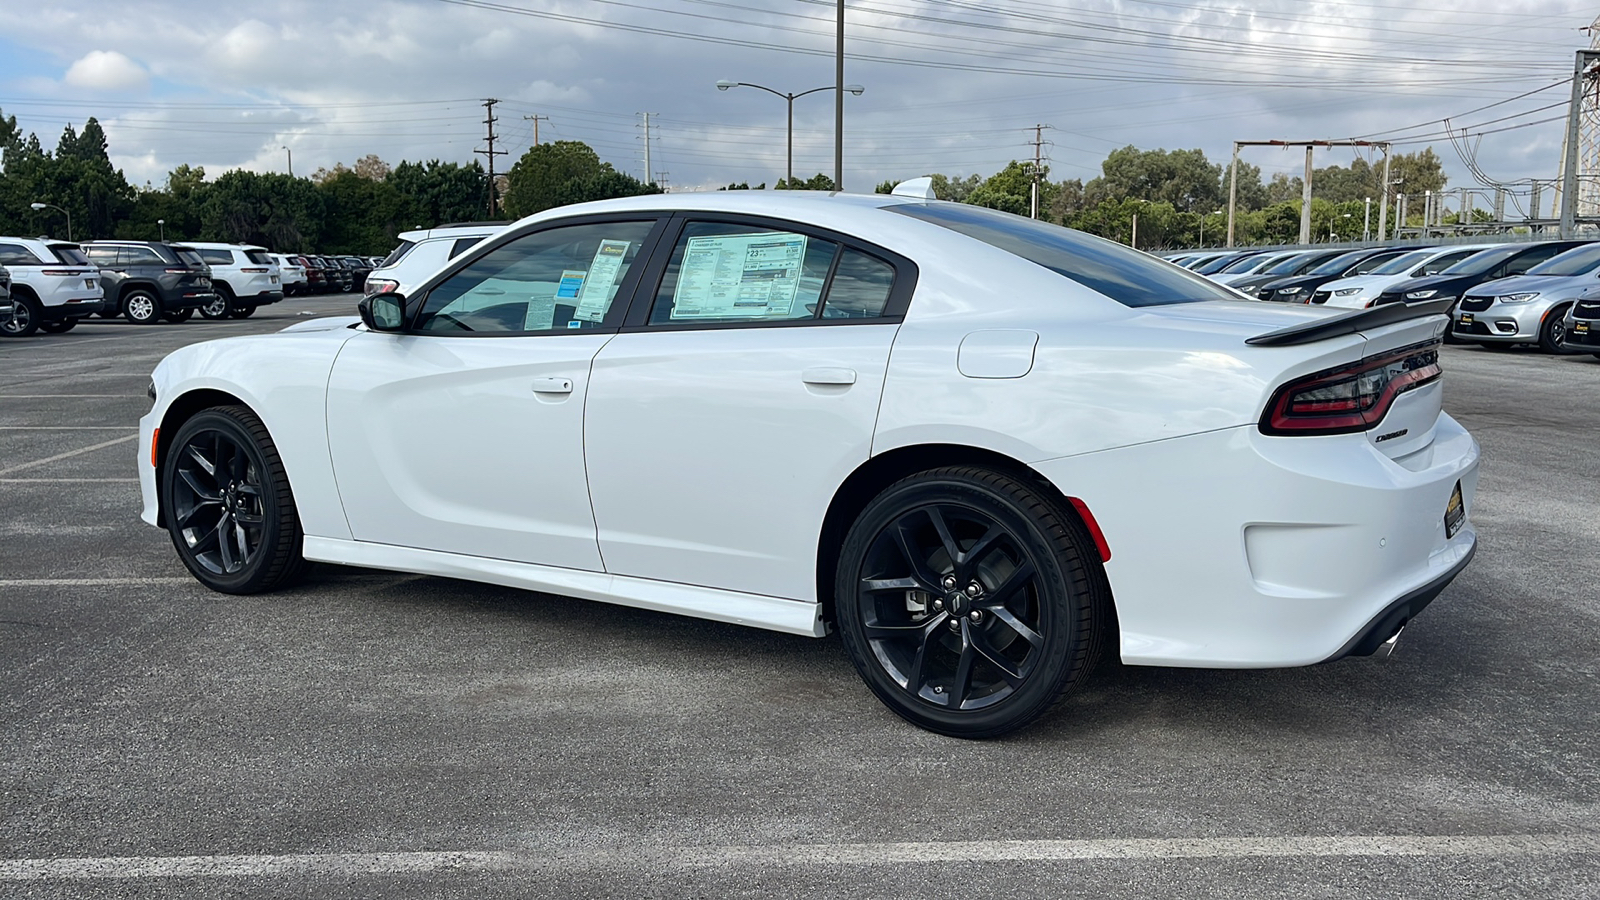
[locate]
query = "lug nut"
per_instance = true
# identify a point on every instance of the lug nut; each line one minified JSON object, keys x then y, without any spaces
{"x":955,"y":624}
{"x":938,"y":604}
{"x":976,"y":616}
{"x":949,"y":582}
{"x":974,"y":589}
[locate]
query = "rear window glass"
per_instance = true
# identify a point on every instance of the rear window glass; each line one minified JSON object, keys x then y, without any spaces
{"x":1288,"y":264}
{"x":398,"y":252}
{"x":1127,"y":276}
{"x":259,"y":257}
{"x":189,"y":257}
{"x":72,"y":256}
{"x":217,"y":257}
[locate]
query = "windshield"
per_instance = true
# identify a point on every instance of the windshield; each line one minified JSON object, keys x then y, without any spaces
{"x":1127,"y":276}
{"x":1403,"y":263}
{"x":1285,"y":265}
{"x":1339,"y":264}
{"x":1249,"y":263}
{"x":1479,"y":263}
{"x":1215,"y":263}
{"x":1580,"y":261}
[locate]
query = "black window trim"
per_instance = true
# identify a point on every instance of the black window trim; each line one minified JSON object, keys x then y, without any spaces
{"x":894,"y":310}
{"x":620,"y":304}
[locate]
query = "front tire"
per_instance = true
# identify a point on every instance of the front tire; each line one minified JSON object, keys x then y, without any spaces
{"x":217,"y":307}
{"x":969,"y":601}
{"x":228,"y":506}
{"x":141,"y":308}
{"x":242,"y":312}
{"x":179,"y":316}
{"x":61,"y":327}
{"x":1553,"y":332}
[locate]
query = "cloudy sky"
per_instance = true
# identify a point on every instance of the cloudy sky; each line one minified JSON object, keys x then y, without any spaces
{"x":953,"y":86}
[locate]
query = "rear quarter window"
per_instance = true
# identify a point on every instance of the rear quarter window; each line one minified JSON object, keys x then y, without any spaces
{"x":260,"y":257}
{"x":460,"y":246}
{"x":397,"y":253}
{"x":217,"y":257}
{"x":72,"y":256}
{"x":1128,"y":276}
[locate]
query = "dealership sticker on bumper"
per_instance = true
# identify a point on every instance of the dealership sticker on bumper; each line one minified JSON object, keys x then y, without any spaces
{"x":1455,"y":512}
{"x":1466,"y":319}
{"x":1580,"y":327}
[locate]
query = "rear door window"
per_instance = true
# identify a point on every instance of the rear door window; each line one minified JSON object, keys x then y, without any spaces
{"x":139,"y":256}
{"x":190,"y":258}
{"x":217,"y":257}
{"x":72,"y":256}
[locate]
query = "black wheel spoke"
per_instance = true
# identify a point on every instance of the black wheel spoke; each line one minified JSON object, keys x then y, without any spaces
{"x":914,"y":557}
{"x":961,"y":684}
{"x":969,"y":560}
{"x":225,"y":545}
{"x":1013,"y":583}
{"x":916,"y":673}
{"x":979,"y":643}
{"x":877,"y":585}
{"x":920,"y":631}
{"x":1017,"y":625}
{"x":249,"y":518}
{"x":206,"y":465}
{"x":951,"y":548}
{"x":205,"y":495}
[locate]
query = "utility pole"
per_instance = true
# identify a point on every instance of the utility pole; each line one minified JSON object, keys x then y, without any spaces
{"x":1233,"y":189}
{"x":661,"y":181}
{"x":535,"y":121}
{"x":838,"y":105}
{"x":1569,"y":165}
{"x":1305,"y":201}
{"x":1038,"y":161}
{"x":491,"y":153}
{"x":1383,"y":205}
{"x":646,"y":146}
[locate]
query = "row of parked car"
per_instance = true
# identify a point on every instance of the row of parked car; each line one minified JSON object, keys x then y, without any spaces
{"x":1543,"y":292}
{"x":50,"y":285}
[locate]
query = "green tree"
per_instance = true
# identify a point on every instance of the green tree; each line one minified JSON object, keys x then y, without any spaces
{"x":817,"y":182}
{"x":437,"y":192}
{"x":539,"y":178}
{"x":955,"y":189}
{"x":1182,"y":178}
{"x":361,"y":215}
{"x":275,"y":211}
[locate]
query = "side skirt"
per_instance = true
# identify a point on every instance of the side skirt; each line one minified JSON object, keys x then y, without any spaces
{"x":757,"y":611}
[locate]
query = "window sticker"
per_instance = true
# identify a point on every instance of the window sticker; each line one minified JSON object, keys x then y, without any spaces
{"x":541,"y":307}
{"x":571,"y":284}
{"x":594,"y":298}
{"x":744,"y":276}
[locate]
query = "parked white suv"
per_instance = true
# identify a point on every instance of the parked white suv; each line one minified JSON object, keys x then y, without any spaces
{"x":421,"y":253}
{"x":53,"y":285}
{"x":245,"y":276}
{"x":292,"y":273}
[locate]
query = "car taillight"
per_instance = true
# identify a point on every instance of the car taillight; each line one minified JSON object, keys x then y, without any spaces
{"x":61,"y":273}
{"x":381,"y":286}
{"x":256,"y":271}
{"x":178,"y":271}
{"x":1350,"y":398}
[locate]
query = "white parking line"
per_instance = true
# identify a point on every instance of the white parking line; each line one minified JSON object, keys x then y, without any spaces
{"x":934,"y":852}
{"x":79,"y":452}
{"x":53,"y":396}
{"x":69,"y":428}
{"x":93,"y":582}
{"x":67,"y":480}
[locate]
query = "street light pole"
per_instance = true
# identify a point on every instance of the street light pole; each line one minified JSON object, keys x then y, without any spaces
{"x":854,"y":89}
{"x":838,"y":106}
{"x":162,"y":224}
{"x":39,"y":206}
{"x":291,"y":159}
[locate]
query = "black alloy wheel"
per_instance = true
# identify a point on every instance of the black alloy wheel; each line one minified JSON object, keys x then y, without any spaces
{"x":969,"y":601}
{"x":242,"y":312}
{"x":1553,"y":333}
{"x":217,"y":307}
{"x":141,"y":308}
{"x":24,"y":318}
{"x":61,"y":327}
{"x":227,"y":503}
{"x":178,"y":316}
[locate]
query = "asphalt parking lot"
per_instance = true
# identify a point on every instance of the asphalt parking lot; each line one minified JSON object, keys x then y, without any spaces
{"x":378,"y":735}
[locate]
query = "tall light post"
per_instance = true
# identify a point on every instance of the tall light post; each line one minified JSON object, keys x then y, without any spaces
{"x":39,"y":206}
{"x":838,"y":107}
{"x":855,"y":89}
{"x":291,"y":159}
{"x":1366,"y":221}
{"x":162,"y":224}
{"x":1203,"y":226}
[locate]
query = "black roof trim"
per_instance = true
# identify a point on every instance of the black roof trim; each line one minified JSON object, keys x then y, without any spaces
{"x":1350,"y":323}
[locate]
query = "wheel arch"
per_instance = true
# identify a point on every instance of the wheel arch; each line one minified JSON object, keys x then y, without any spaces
{"x":128,"y":287}
{"x":22,"y":290}
{"x":871,"y":477}
{"x":179,"y":411}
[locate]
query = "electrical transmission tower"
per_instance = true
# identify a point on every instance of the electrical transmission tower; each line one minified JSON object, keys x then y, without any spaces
{"x":1589,"y":137}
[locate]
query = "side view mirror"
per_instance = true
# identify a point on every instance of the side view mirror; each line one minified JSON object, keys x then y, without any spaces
{"x":383,"y":312}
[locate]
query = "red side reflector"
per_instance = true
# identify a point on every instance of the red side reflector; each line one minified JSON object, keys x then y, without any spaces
{"x":1094,"y":528}
{"x":155,"y":441}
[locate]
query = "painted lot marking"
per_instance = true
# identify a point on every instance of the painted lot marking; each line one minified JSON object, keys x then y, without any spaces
{"x":69,"y":427}
{"x":471,"y":861}
{"x":61,"y":396}
{"x":92,"y":582}
{"x":70,"y":453}
{"x":68,"y":480}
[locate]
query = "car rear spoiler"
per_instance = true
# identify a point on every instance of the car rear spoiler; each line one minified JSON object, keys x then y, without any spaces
{"x":1350,"y":323}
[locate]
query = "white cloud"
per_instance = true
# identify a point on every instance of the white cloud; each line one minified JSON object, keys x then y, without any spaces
{"x":107,"y":70}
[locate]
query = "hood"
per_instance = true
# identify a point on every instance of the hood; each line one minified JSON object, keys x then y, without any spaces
{"x":1440,"y":282}
{"x":322,"y":323}
{"x":1567,"y":285}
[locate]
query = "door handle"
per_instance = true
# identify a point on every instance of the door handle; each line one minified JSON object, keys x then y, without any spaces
{"x":552,"y":385}
{"x":828,"y":375}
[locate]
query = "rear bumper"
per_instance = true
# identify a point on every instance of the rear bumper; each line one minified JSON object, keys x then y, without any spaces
{"x":73,"y":308}
{"x":1232,"y":549}
{"x":1388,"y":623}
{"x":188,"y":300}
{"x":261,"y":299}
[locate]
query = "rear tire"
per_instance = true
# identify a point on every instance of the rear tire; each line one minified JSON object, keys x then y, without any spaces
{"x":227,"y":503}
{"x":969,"y":601}
{"x":24,"y":318}
{"x":242,"y":312}
{"x":178,"y":316}
{"x":61,"y":327}
{"x":141,"y":308}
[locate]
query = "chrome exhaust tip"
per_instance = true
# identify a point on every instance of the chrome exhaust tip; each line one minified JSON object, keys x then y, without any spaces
{"x":1386,"y":649}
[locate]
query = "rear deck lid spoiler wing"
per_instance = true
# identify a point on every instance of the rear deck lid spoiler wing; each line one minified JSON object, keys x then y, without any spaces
{"x":1350,"y":323}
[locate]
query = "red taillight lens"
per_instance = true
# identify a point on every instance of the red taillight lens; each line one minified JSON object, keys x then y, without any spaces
{"x":256,"y":271}
{"x":1350,"y":398}
{"x":380,"y":286}
{"x":61,"y":273}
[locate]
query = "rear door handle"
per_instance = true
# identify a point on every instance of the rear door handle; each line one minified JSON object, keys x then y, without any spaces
{"x":828,"y":375}
{"x":552,"y":385}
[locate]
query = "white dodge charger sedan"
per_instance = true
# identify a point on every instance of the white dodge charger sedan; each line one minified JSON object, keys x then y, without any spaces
{"x":980,"y":447}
